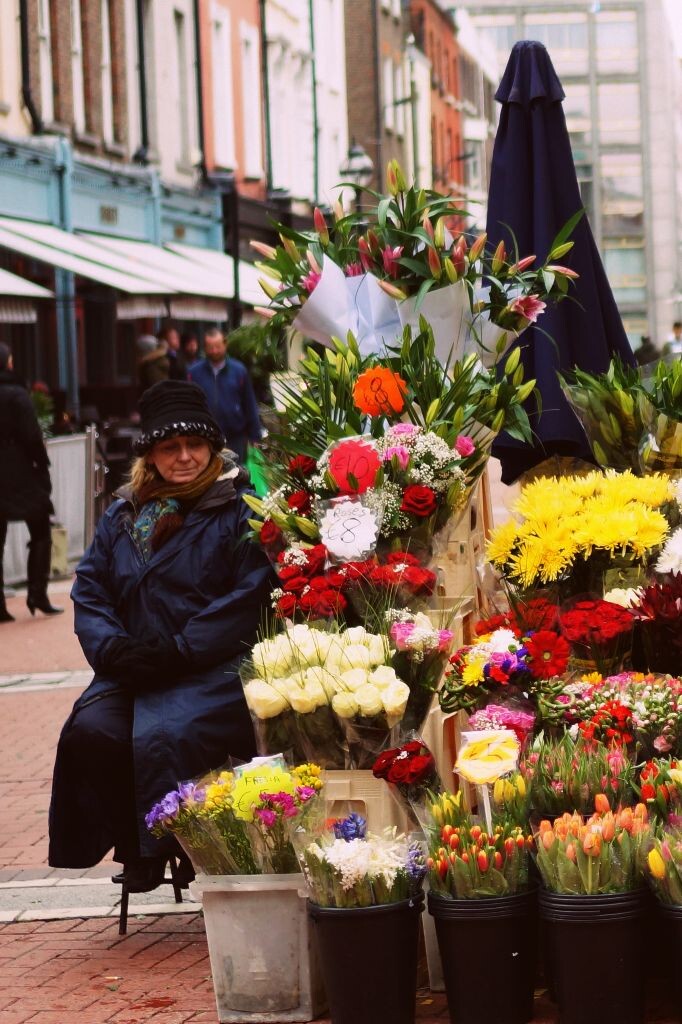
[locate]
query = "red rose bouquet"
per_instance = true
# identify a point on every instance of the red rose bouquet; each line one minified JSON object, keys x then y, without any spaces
{"x":600,"y":634}
{"x":659,"y":612}
{"x":411,"y":770}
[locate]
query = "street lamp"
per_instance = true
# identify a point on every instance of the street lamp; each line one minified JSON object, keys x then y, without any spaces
{"x":357,"y":170}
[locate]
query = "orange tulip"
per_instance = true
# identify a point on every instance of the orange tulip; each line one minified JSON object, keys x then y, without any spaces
{"x":545,"y":826}
{"x":592,"y":844}
{"x":608,"y":829}
{"x":548,"y":840}
{"x":601,"y":803}
{"x":641,"y":812}
{"x":570,"y":852}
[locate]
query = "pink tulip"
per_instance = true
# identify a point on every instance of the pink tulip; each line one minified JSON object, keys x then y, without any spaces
{"x":528,"y":307}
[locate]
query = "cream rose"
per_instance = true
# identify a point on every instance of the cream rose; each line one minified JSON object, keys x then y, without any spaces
{"x":383,"y":676}
{"x":354,"y":678}
{"x":369,"y":701}
{"x":323,"y":678}
{"x":355,"y":635}
{"x":264,"y":700}
{"x":356,"y":656}
{"x":272,"y":657}
{"x":378,"y":649}
{"x":345,"y":705}
{"x":302,"y":701}
{"x":395,"y":698}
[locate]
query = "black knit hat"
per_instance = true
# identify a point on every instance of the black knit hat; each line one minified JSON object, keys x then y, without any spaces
{"x":172,"y":408}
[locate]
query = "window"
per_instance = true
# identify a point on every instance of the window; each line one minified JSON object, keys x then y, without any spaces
{"x":578,"y":118}
{"x":565,"y":36}
{"x":251,"y":93}
{"x":617,"y":50}
{"x":45,"y":61}
{"x":636,"y":327}
{"x":107,"y":84}
{"x":622,"y":199}
{"x":223,"y":106}
{"x":619,"y":120}
{"x":586,"y":185}
{"x":389,"y":109}
{"x":625,"y":265}
{"x":501,"y":28}
{"x":396,"y":8}
{"x":181,"y":98}
{"x":78,"y":83}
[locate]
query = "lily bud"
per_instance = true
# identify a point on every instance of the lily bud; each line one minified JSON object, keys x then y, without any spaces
{"x":561,"y":250}
{"x":392,"y":290}
{"x":525,"y":391}
{"x":434,"y":263}
{"x":450,"y":270}
{"x":439,"y":234}
{"x":268,"y":252}
{"x":516,"y":268}
{"x":427,"y":225}
{"x":373,"y":241}
{"x":554,"y":268}
{"x":499,"y":258}
{"x":263,"y":311}
{"x":477,"y":247}
{"x":314,"y":265}
{"x":512,"y":361}
{"x":459,"y":260}
{"x":290,"y":248}
{"x":498,"y":422}
{"x":268,"y":288}
{"x":321,"y":226}
{"x":339,"y":212}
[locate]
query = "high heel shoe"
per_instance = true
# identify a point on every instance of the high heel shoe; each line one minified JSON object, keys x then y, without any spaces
{"x":43,"y":605}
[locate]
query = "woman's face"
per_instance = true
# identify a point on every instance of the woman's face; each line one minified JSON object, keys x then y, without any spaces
{"x":180,"y":460}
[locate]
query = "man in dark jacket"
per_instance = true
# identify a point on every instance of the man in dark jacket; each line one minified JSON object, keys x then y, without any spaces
{"x":227,"y":385}
{"x":25,"y":485}
{"x":177,"y":367}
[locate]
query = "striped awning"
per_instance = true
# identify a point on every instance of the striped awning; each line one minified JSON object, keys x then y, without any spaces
{"x":17,"y":311}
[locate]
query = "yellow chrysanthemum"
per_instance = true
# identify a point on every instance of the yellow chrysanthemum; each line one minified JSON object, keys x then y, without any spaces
{"x":502,"y":541}
{"x":473,"y":673}
{"x":592,"y":677}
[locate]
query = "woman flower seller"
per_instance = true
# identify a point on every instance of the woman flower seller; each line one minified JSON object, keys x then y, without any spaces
{"x":167,"y":601}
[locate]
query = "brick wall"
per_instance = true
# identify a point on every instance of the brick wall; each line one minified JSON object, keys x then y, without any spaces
{"x":60,"y":30}
{"x":361,"y":80}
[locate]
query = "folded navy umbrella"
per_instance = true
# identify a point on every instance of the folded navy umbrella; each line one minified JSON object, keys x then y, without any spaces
{"x":533,"y":193}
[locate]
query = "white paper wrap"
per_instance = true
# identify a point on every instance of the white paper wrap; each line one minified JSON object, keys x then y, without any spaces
{"x":448,"y":312}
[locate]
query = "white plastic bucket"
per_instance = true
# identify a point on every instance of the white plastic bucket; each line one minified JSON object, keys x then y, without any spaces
{"x":263,"y":964}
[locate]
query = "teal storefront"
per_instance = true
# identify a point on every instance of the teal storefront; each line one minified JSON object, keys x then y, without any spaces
{"x":82,"y":344}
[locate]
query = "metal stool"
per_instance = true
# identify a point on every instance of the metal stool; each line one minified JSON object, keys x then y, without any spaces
{"x":173,"y":880}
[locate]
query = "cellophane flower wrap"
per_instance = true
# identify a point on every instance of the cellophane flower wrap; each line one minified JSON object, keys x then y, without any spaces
{"x":566,"y":775}
{"x":467,"y":861}
{"x":420,"y":653}
{"x":411,"y":770}
{"x":573,"y":528}
{"x":241,"y":821}
{"x":663,"y":865}
{"x":332,"y":695}
{"x":598,"y":855}
{"x":346,"y":866}
{"x":659,"y":612}
{"x":660,"y":788}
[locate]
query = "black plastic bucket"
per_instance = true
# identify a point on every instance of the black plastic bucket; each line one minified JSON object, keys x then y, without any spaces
{"x":672,"y":918}
{"x":488,"y":951}
{"x":368,"y":957}
{"x":595,"y":952}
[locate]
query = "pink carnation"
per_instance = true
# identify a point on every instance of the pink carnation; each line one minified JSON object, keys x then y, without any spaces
{"x":464,"y":446}
{"x":662,"y":744}
{"x":399,"y":452}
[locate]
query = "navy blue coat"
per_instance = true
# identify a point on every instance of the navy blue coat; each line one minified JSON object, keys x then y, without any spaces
{"x":231,"y":400}
{"x":208,"y":588}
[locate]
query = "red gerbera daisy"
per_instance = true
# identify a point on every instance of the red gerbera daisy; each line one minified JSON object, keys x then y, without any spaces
{"x":548,"y":653}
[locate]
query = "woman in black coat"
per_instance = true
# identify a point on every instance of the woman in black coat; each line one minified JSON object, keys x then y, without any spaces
{"x":25,"y":485}
{"x":167,"y":599}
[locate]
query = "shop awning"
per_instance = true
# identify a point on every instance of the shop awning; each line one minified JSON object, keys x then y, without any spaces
{"x":71,"y":252}
{"x":221,"y":263}
{"x":20,"y":288}
{"x":186,"y":276}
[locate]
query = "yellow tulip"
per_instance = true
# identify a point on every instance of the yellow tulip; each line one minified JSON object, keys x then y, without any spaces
{"x":656,"y":864}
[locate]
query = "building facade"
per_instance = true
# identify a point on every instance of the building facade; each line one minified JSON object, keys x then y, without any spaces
{"x":377,"y":73}
{"x":434,"y":32}
{"x":621,"y":77}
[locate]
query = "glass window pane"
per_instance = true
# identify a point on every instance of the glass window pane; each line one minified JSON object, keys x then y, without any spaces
{"x":619,"y":120}
{"x":578,"y":117}
{"x":636,"y":327}
{"x":626,"y":270}
{"x":617,"y":50}
{"x":501,"y":28}
{"x":565,"y":36}
{"x":622,"y":201}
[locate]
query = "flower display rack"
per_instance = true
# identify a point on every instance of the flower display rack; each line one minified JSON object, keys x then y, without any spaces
{"x":462,"y":549}
{"x":359,"y":791}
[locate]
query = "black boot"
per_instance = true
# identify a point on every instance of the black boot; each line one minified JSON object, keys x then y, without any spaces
{"x":39,"y":555}
{"x":4,"y":614}
{"x":142,"y":875}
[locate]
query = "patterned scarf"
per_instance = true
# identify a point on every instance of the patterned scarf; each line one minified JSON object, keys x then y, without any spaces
{"x":163,"y":507}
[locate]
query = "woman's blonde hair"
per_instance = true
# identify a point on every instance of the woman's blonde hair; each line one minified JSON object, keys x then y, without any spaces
{"x":142,"y":473}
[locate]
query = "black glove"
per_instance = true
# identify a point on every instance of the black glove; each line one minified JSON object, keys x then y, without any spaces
{"x":151,"y":665}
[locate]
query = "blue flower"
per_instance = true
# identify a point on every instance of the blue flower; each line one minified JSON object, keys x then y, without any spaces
{"x":416,"y":862}
{"x":352,"y":827}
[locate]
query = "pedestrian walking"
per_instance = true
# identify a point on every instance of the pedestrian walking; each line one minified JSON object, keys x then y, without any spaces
{"x":153,"y":364}
{"x":177,"y":367}
{"x":189,"y":344}
{"x":226,"y":383}
{"x":673,"y":343}
{"x":25,"y":485}
{"x":168,"y":599}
